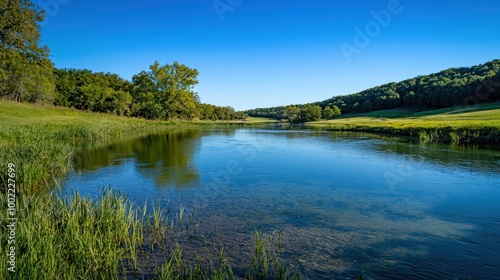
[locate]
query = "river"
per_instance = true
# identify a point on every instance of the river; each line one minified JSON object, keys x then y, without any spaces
{"x":347,"y":203}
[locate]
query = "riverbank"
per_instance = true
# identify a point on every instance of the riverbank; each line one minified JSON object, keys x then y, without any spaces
{"x":40,"y":140}
{"x":50,"y":236}
{"x":478,"y":124}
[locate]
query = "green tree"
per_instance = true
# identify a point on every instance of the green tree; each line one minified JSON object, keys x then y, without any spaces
{"x":169,"y":89}
{"x":310,"y":113}
{"x":327,"y":113}
{"x":336,"y":111}
{"x":367,"y":106}
{"x":25,"y":70}
{"x":292,"y":113}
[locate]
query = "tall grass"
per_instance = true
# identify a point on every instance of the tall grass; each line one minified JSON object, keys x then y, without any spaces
{"x":72,"y":237}
{"x":175,"y":268}
{"x":267,"y":262}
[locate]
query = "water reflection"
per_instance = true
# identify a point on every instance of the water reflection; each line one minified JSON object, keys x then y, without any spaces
{"x":167,"y":158}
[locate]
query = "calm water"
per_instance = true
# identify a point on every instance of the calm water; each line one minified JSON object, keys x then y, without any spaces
{"x":348,"y":203}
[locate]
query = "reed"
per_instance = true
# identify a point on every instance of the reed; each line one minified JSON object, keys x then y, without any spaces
{"x":267,"y":262}
{"x":73,"y":237}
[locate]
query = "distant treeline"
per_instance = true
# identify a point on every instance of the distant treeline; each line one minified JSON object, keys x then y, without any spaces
{"x":452,"y":87}
{"x":297,"y":113}
{"x":28,"y":75}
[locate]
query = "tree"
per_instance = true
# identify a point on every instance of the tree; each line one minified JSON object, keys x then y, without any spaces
{"x":168,"y":88}
{"x":25,"y":70}
{"x":310,"y":113}
{"x":367,"y":106}
{"x":327,"y":113}
{"x":336,"y":111}
{"x":292,"y":113}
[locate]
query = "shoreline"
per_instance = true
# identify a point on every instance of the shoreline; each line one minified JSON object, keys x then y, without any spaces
{"x":445,"y":135}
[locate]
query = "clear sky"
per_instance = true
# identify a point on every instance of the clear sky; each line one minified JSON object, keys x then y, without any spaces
{"x":256,"y":53}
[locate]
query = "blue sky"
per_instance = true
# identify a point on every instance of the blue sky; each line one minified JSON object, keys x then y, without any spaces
{"x":269,"y":53}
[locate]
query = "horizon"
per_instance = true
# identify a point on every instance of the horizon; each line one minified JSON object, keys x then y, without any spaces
{"x":275,"y":54}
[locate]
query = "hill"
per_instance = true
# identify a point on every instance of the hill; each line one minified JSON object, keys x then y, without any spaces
{"x":452,"y":87}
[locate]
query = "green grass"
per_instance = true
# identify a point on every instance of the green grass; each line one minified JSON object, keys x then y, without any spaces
{"x":478,"y":124}
{"x":72,"y":237}
{"x":40,"y":140}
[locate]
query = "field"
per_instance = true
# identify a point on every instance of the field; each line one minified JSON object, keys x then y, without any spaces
{"x":479,"y":124}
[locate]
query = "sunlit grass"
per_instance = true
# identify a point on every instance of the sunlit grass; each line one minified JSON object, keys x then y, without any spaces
{"x":40,"y":141}
{"x":478,"y":124}
{"x":72,"y":237}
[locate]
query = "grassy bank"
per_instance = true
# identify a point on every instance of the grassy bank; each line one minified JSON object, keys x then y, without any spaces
{"x":479,"y":124}
{"x":41,"y":140}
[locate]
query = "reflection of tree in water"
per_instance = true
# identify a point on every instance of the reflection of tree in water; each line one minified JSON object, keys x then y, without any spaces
{"x":166,"y":157}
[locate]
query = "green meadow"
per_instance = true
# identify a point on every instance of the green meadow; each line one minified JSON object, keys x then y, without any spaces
{"x":478,"y":124}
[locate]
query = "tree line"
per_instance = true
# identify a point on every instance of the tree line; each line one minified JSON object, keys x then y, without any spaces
{"x":28,"y":75}
{"x":297,"y":113}
{"x":163,"y":92}
{"x":448,"y":88}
